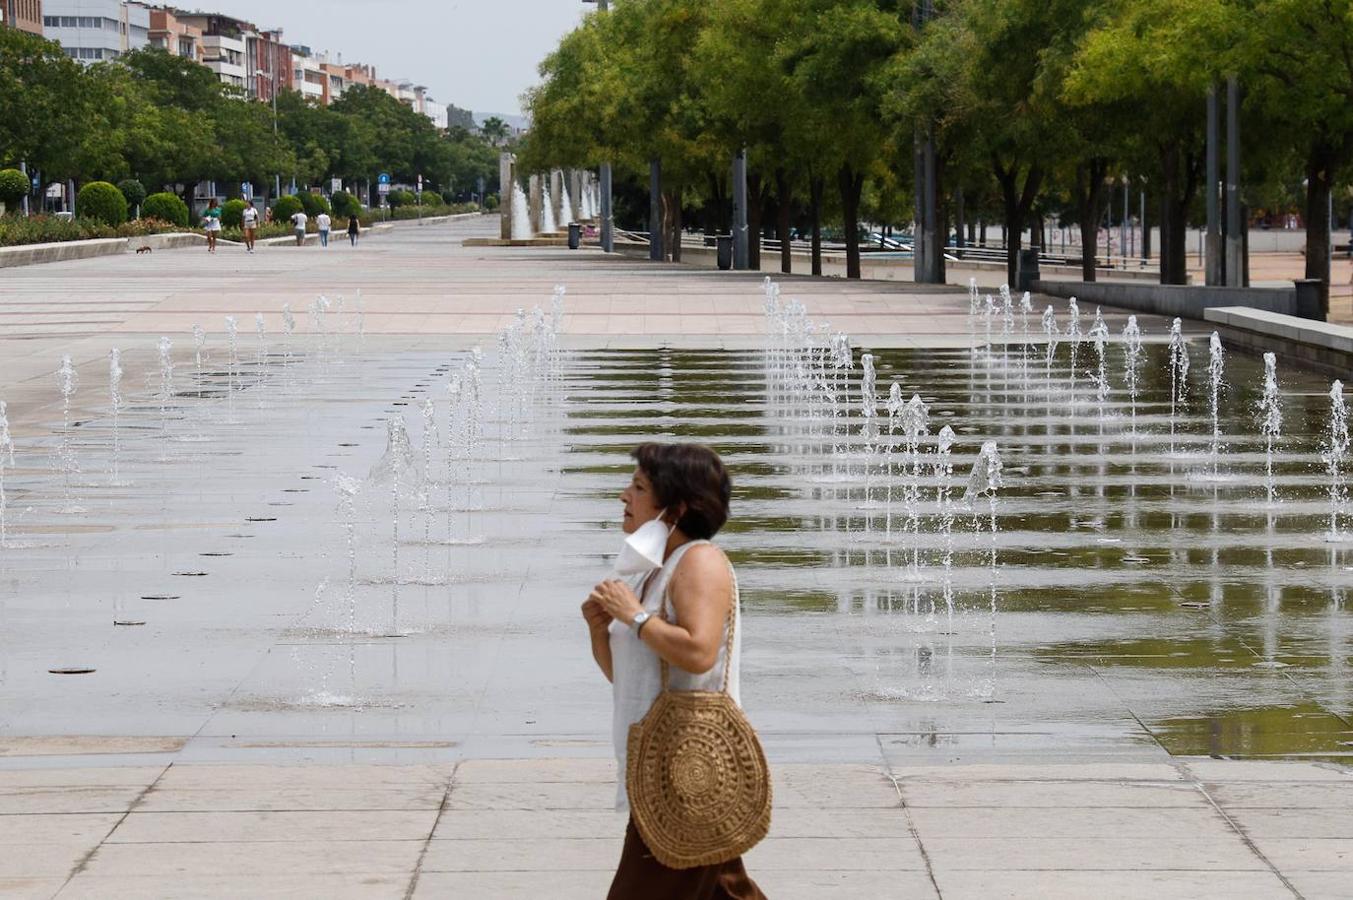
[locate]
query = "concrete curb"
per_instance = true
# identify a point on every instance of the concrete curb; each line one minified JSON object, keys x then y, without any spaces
{"x":59,"y":251}
{"x":62,"y":251}
{"x":1187,"y":301}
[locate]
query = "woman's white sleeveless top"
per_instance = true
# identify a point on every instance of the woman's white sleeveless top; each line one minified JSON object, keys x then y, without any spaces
{"x":636,"y":677}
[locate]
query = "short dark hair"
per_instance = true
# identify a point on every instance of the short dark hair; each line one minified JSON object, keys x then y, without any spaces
{"x":692,"y":474}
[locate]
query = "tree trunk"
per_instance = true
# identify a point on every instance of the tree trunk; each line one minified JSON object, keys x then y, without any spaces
{"x":1089,"y":207}
{"x":1177,"y":192}
{"x":851,"y":183}
{"x":1017,"y":202}
{"x":672,"y":202}
{"x":1318,"y":178}
{"x":784,"y":195}
{"x":816,"y":185}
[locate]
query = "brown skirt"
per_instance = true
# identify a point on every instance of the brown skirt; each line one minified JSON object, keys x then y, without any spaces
{"x":641,"y":877}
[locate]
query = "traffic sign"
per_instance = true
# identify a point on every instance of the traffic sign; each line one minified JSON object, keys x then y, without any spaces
{"x":383,"y":179}
{"x":383,"y":187}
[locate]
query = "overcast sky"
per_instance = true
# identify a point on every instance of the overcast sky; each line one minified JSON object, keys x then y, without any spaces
{"x":477,"y":54}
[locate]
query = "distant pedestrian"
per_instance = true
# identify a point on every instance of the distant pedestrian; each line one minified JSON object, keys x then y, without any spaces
{"x":249,"y":219}
{"x":354,"y":229}
{"x":298,"y":222}
{"x":323,"y":223}
{"x":211,"y":221}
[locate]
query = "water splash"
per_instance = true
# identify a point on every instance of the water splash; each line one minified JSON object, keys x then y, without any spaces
{"x":1073,"y":336}
{"x":1269,"y":415}
{"x":985,"y":482}
{"x":915,"y":426}
{"x":199,"y":342}
{"x":1051,"y":332}
{"x":521,"y":214}
{"x":1099,"y":335}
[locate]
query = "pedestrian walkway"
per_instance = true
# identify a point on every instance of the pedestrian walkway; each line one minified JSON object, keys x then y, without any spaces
{"x":545,"y":828}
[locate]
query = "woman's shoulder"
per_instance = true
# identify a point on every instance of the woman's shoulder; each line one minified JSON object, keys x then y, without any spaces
{"x":703,"y":563}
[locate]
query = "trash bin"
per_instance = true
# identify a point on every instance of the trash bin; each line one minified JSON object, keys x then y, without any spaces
{"x":724,"y":252}
{"x":1028,"y":270}
{"x":575,"y":236}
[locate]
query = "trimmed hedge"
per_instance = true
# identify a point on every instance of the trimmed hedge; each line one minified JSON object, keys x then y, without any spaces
{"x":133,"y":190}
{"x":232,"y":214}
{"x":13,"y":186}
{"x":43,"y":229}
{"x":102,"y":202}
{"x":344,"y":204}
{"x":286,"y":207}
{"x":401,"y":198}
{"x":432,"y":198}
{"x":314,"y":204}
{"x":166,"y":207}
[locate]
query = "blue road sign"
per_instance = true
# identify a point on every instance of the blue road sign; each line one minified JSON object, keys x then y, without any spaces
{"x":383,"y":178}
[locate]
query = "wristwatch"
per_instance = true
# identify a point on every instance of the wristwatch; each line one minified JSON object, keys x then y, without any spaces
{"x":639,"y":620}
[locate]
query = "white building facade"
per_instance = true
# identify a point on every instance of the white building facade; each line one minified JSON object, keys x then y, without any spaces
{"x":94,"y":30}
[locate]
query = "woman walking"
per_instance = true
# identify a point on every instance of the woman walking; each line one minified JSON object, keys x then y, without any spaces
{"x":211,"y":221}
{"x":682,"y":617}
{"x":354,"y":228}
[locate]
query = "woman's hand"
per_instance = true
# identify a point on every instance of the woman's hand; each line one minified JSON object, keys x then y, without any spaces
{"x":597,"y":617}
{"x":617,"y":600}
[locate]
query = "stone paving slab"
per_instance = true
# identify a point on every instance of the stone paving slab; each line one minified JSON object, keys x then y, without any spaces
{"x":1058,"y":831}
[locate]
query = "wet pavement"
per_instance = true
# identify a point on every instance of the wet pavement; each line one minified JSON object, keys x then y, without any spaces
{"x":229,"y":603}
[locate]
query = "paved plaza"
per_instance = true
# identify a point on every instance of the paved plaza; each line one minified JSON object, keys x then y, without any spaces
{"x":272,"y":708}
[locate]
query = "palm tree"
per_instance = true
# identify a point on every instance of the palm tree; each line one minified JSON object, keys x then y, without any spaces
{"x":494,"y":130}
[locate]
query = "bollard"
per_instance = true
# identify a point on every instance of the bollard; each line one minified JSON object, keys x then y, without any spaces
{"x":575,"y":236}
{"x":1027,"y":273}
{"x":724,"y":251}
{"x":1308,"y":299}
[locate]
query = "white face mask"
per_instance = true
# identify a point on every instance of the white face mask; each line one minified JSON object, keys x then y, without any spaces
{"x":643,"y":551}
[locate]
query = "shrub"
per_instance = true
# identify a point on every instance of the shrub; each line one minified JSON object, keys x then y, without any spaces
{"x":491,"y":203}
{"x":133,"y":190}
{"x":13,"y":186}
{"x":286,"y":207}
{"x":314,"y":204}
{"x":345,"y":204}
{"x":102,"y":202}
{"x":232,"y":214}
{"x":432,"y":198}
{"x":42,"y":229}
{"x":166,"y":207}
{"x":401,"y":198}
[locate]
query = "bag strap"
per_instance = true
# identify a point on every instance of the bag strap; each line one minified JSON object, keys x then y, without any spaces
{"x":730,"y":626}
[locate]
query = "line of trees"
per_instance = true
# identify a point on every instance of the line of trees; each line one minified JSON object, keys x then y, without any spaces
{"x":1037,"y":109}
{"x":169,"y":121}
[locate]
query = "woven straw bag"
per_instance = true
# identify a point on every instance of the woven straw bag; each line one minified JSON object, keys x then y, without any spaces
{"x":697,"y":780}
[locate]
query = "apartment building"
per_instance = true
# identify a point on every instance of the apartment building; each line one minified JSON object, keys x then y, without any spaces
{"x":95,"y":30}
{"x":173,"y":36}
{"x":25,"y":15}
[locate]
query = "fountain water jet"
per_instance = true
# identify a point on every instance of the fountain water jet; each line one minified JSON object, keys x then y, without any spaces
{"x":115,"y":403}
{"x":1269,"y":416}
{"x":67,"y":381}
{"x":1334,"y":454}
{"x":1132,"y":364}
{"x":1179,"y":375}
{"x":165,"y":347}
{"x":399,"y":469}
{"x":1216,"y":368}
{"x":6,"y":459}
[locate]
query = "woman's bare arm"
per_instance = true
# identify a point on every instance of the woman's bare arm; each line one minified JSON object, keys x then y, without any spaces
{"x":701,"y":591}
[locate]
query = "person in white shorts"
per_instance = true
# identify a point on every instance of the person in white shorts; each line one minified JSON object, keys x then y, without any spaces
{"x":211,"y":221}
{"x":249,"y":219}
